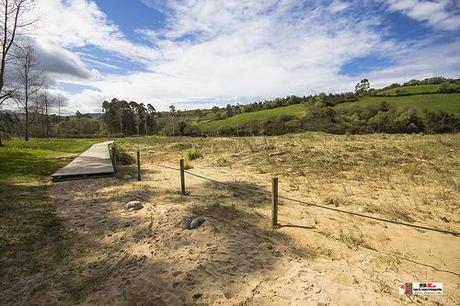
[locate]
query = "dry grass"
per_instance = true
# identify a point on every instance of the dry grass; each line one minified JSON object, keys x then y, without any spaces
{"x":391,"y":175}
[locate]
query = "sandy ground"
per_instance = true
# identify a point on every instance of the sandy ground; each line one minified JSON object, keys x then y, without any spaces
{"x":146,"y":257}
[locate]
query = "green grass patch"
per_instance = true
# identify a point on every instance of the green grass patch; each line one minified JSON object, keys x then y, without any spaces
{"x":29,"y":161}
{"x":415,"y":89}
{"x":32,"y":237}
{"x":449,"y":103}
{"x":241,"y":119}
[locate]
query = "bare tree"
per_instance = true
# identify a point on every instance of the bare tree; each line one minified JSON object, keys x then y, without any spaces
{"x":30,"y":77}
{"x":47,"y":102}
{"x":13,"y":21}
{"x":60,"y":100}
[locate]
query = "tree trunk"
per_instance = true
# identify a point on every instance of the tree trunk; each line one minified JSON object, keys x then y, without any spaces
{"x":1,"y":143}
{"x":46,"y":121}
{"x":43,"y":123}
{"x":59,"y":117}
{"x":27,"y":124}
{"x":27,"y":111}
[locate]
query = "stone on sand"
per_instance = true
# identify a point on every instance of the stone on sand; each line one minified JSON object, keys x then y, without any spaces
{"x":133,"y":205}
{"x":196,"y":222}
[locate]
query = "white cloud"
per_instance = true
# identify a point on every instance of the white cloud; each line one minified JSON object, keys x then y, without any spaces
{"x":226,"y":50}
{"x":438,"y":13}
{"x":261,"y":48}
{"x":79,"y":23}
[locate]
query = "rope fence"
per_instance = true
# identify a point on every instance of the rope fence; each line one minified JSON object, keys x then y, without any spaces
{"x":371,"y":217}
{"x":276,"y":196}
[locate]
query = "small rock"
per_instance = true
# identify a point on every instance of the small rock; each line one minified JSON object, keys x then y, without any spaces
{"x":127,"y":177}
{"x":196,"y":296}
{"x":196,"y":222}
{"x":318,"y":290}
{"x":133,"y":205}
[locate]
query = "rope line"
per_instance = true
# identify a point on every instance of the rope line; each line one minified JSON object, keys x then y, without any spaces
{"x":221,"y":183}
{"x":320,"y":206}
{"x":370,"y":217}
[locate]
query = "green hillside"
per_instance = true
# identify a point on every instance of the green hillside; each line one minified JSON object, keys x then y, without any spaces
{"x":241,"y":119}
{"x":434,"y":102}
{"x":415,"y":89}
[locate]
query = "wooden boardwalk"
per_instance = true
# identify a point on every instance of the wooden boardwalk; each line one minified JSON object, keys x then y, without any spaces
{"x":95,"y":161}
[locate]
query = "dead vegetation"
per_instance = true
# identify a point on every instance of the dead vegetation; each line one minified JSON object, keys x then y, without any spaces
{"x":391,"y":175}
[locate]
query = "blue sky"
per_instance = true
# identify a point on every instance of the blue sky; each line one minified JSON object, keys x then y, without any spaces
{"x":200,"y":53}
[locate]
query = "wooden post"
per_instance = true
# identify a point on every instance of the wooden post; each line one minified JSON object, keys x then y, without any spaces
{"x":274,"y":202}
{"x":114,"y":153}
{"x":182,"y":176}
{"x":138,"y":165}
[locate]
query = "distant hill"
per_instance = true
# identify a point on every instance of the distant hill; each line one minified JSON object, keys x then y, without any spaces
{"x":434,"y":102}
{"x":421,"y":97}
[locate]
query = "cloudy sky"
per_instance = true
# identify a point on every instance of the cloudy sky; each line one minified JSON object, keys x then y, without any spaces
{"x":200,"y":53}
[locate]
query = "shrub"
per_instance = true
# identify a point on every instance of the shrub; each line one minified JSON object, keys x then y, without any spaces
{"x":441,"y":122}
{"x":380,"y":122}
{"x":123,"y":157}
{"x":193,"y":153}
{"x":447,"y":87}
{"x":406,"y":120}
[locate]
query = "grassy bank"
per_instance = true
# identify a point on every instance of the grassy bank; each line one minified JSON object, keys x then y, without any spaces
{"x":32,"y":237}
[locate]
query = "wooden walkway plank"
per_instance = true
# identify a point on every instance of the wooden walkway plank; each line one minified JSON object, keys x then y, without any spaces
{"x":93,"y":162}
